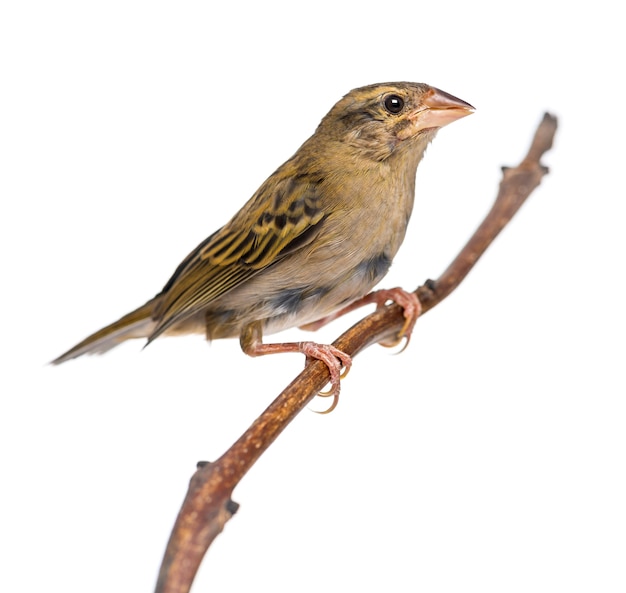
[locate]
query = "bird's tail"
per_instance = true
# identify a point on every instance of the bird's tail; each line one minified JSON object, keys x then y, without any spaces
{"x":137,"y":324}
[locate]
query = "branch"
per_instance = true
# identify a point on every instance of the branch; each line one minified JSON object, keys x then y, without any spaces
{"x":208,"y":505}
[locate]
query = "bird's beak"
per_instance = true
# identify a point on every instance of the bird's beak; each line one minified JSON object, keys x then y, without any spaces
{"x":438,"y":109}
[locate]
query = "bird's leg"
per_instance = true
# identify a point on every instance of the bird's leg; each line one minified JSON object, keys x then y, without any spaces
{"x":251,"y":340}
{"x":407,"y":300}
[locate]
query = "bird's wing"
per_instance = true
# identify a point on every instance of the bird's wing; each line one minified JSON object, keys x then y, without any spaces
{"x":281,"y":217}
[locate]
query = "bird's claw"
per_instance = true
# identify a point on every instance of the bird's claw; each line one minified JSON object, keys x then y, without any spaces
{"x":394,"y":343}
{"x":411,"y":308}
{"x":335,"y":360}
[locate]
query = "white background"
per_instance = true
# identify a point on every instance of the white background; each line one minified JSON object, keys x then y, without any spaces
{"x":489,"y":456}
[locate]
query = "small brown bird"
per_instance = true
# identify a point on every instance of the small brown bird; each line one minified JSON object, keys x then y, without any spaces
{"x":313,"y":240}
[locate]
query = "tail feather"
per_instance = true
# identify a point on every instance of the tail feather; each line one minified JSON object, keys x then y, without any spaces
{"x":137,"y":324}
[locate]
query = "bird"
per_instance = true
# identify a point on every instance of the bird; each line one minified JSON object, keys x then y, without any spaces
{"x":312,"y":242}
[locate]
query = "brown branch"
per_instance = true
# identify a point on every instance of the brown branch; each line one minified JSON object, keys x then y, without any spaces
{"x":208,"y":505}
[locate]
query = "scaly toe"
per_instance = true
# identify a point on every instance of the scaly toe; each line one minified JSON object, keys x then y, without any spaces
{"x":334,"y":359}
{"x":411,"y":308}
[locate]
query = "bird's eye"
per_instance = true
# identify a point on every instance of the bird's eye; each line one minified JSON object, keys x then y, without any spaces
{"x":394,"y":104}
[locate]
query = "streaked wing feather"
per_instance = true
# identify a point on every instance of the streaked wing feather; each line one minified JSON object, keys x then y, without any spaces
{"x":279,"y":213}
{"x":277,"y":220}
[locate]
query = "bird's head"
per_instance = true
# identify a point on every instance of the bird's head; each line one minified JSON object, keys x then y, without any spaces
{"x":381,"y":119}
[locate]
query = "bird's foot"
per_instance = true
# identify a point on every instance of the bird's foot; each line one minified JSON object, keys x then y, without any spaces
{"x":411,"y":308}
{"x":335,"y":359}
